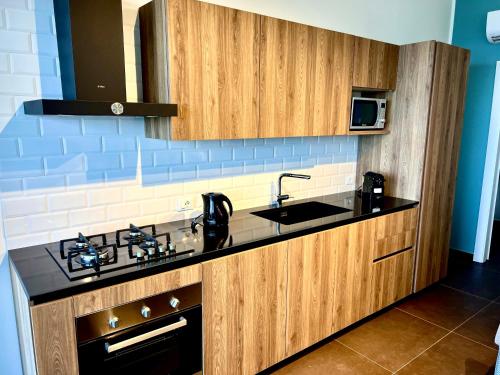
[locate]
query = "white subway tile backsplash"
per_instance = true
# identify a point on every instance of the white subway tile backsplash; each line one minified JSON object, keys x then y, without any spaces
{"x":24,"y":20}
{"x":41,"y":146}
{"x":27,"y":240}
{"x":48,"y":222}
{"x":32,"y":64}
{"x":156,"y":206}
{"x":44,"y":44}
{"x":67,"y":201}
{"x":105,"y":196}
{"x":6,"y":104}
{"x":22,"y":85}
{"x":15,"y":227}
{"x":137,"y":193}
{"x":88,"y":216}
{"x":16,"y":207}
{"x":15,"y":41}
{"x":4,"y":63}
{"x":122,"y":211}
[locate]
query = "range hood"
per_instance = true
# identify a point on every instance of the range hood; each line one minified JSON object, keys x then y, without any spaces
{"x":92,"y":61}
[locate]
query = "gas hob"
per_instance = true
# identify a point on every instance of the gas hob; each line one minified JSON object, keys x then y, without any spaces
{"x":136,"y":247}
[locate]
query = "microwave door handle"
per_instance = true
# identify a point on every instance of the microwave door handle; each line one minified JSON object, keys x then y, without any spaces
{"x":110,"y":348}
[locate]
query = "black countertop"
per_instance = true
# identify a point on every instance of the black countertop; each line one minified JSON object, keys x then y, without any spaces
{"x":44,"y":281}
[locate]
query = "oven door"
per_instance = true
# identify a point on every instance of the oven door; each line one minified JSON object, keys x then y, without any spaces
{"x":168,"y":345}
{"x":364,"y":114}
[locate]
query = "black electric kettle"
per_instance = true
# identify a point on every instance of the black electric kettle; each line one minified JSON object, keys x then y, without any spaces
{"x":214,"y":212}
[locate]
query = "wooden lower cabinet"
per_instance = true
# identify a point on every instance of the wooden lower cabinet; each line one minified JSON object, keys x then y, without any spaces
{"x":244,"y":311}
{"x":392,"y":279}
{"x":266,"y":304}
{"x":310,"y":291}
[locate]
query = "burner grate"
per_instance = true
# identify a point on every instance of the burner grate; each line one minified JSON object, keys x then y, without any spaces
{"x":88,"y":252}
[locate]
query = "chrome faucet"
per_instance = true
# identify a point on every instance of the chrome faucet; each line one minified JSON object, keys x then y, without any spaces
{"x":283,"y":197}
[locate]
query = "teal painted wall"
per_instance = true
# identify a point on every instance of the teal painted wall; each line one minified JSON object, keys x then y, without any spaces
{"x":469,"y":32}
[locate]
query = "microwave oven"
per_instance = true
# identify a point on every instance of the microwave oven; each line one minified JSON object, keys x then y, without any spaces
{"x":367,"y":114}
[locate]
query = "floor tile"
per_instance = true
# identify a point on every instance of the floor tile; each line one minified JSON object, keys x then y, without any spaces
{"x":483,"y":327}
{"x":476,"y":280}
{"x":454,"y":355}
{"x":332,"y":358}
{"x":443,"y":306}
{"x":393,"y":339}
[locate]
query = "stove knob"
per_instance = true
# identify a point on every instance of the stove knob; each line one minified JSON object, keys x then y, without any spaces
{"x":174,"y":302}
{"x":114,"y":322}
{"x":146,"y":312}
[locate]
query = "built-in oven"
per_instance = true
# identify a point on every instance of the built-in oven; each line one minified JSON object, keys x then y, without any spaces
{"x":158,"y":335}
{"x":368,"y":114}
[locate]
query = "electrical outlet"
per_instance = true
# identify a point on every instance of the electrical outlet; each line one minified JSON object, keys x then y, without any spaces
{"x":184,"y":204}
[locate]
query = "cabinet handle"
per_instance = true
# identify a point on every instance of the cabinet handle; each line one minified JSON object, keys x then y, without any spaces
{"x":393,"y":254}
{"x":137,"y":339}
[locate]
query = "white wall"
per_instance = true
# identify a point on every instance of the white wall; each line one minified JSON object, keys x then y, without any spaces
{"x":393,"y":21}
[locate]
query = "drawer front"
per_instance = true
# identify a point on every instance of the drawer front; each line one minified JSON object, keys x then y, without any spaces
{"x":90,"y":302}
{"x":395,"y":232}
{"x":392,"y":279}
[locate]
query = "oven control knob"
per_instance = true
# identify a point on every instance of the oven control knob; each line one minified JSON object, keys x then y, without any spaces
{"x":146,"y":312}
{"x":174,"y":302}
{"x":114,"y":322}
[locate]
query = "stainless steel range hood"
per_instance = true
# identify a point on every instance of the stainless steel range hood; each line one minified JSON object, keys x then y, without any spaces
{"x":92,"y":61}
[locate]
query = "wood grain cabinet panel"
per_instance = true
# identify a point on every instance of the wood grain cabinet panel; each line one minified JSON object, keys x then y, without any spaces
{"x":392,"y":279}
{"x":100,"y":299}
{"x":310,"y":290}
{"x":305,"y":80}
{"x":395,"y":232}
{"x":353,"y":268}
{"x":441,"y":162}
{"x":213,"y":66}
{"x":375,"y":64}
{"x":244,"y":311}
{"x":54,"y":338}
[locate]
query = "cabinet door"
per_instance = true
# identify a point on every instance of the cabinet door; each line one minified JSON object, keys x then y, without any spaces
{"x":353,"y":267}
{"x":212,"y":55}
{"x":305,"y":80}
{"x":54,"y":337}
{"x":375,"y":64}
{"x":311,"y":286}
{"x":441,"y":161}
{"x":392,"y":279}
{"x":244,"y":311}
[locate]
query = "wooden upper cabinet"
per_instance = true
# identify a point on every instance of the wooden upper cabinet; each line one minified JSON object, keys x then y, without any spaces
{"x":375,"y":64}
{"x":213,"y":67}
{"x":244,"y":311}
{"x":305,"y":80}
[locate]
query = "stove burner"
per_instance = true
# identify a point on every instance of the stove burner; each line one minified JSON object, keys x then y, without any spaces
{"x":89,"y":252}
{"x":88,"y":258}
{"x":147,"y":242}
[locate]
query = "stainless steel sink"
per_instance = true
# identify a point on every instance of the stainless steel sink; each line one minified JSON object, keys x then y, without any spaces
{"x":297,"y":213}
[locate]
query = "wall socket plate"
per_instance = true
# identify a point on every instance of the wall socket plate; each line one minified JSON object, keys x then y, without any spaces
{"x":184,"y":204}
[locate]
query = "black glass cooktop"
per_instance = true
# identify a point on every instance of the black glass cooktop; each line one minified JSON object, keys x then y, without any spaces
{"x":135,"y":248}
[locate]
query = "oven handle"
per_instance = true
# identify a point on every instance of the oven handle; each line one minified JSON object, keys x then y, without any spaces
{"x":137,"y":339}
